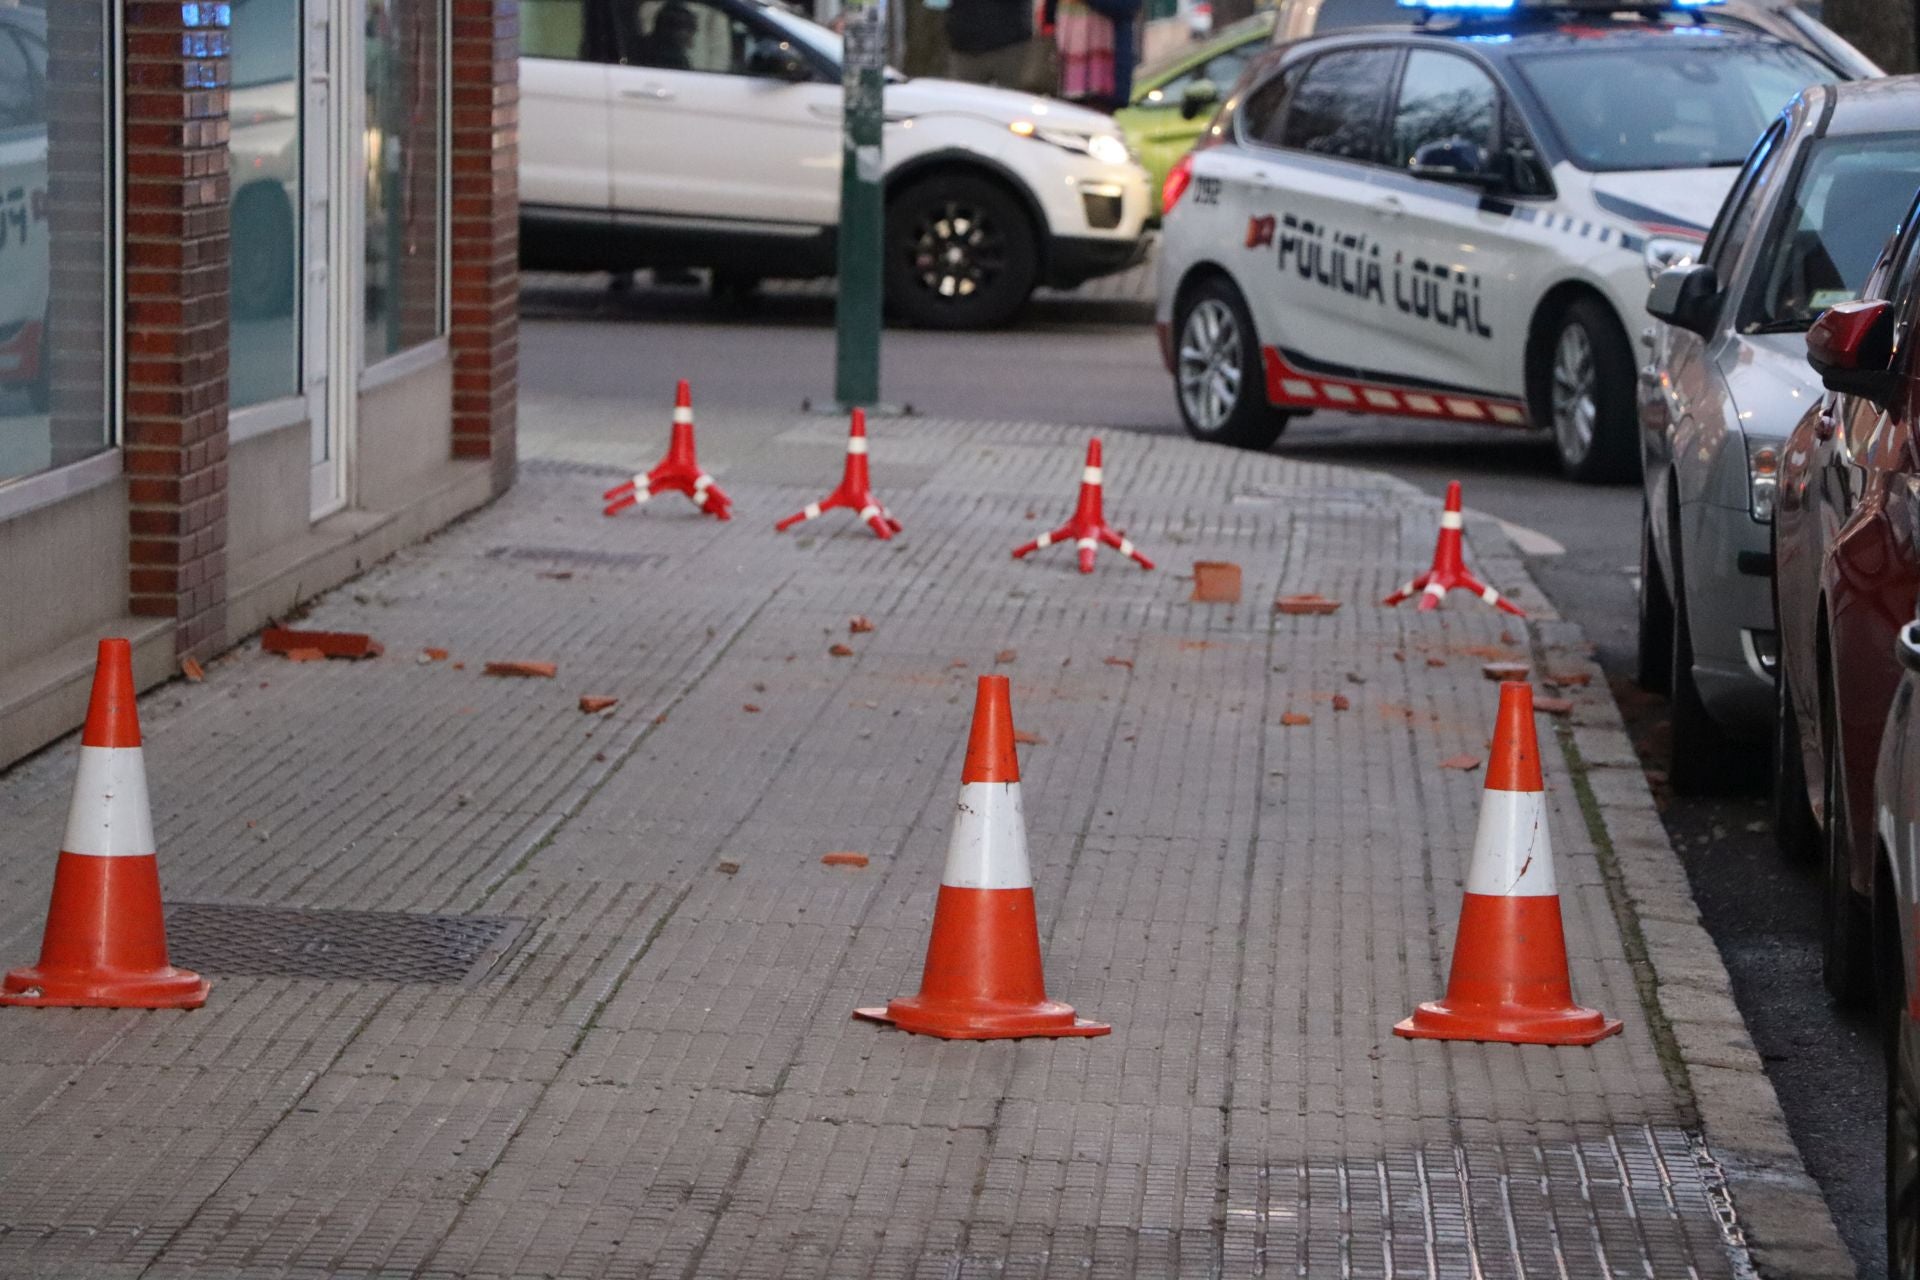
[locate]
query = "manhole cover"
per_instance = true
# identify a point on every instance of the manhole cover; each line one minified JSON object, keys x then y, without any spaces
{"x":385,"y":946}
{"x":580,"y":555}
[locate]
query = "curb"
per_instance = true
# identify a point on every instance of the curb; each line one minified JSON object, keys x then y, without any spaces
{"x":1784,"y":1227}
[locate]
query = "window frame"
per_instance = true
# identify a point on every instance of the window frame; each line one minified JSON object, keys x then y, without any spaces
{"x":1500,"y":111}
{"x":1303,"y":67}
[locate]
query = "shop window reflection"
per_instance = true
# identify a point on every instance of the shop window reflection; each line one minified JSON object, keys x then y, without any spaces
{"x":405,"y":142}
{"x":265,"y":273}
{"x":53,"y":253}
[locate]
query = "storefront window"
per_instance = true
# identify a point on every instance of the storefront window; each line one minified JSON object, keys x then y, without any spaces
{"x":53,"y":235}
{"x":265,"y":107}
{"x":405,"y":149}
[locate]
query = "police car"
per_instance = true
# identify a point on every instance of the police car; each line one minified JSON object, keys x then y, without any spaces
{"x":1457,"y":219}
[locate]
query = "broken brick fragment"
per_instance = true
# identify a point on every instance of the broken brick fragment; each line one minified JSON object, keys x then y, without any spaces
{"x":1341,"y":702}
{"x":594,"y":705}
{"x":859,"y":624}
{"x":435,"y":655}
{"x":1216,"y":582}
{"x":1006,"y":655}
{"x":1463,"y":763}
{"x":1024,"y":738}
{"x":845,"y":859}
{"x":306,"y":655}
{"x":526,"y":670}
{"x":331,"y":644}
{"x":751,"y":708}
{"x":1119,"y":662}
{"x":840,"y":651}
{"x":192,"y":670}
{"x":1436,"y":662}
{"x":1295,"y":718}
{"x":1311,"y":605}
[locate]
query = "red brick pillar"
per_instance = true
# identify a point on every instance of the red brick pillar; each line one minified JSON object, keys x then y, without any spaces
{"x":175,"y":409}
{"x":485,"y":249}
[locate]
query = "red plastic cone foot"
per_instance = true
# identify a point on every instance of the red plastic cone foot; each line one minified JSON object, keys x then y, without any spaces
{"x":105,"y":943}
{"x":982,"y":1020}
{"x":1507,"y":1024}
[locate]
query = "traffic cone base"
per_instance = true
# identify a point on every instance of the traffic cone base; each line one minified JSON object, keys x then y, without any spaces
{"x":1088,"y":527}
{"x":678,"y":472}
{"x":855,"y":492}
{"x":124,"y":967}
{"x":982,"y":979}
{"x":105,"y":942}
{"x":1509,"y":980}
{"x":984,"y":940}
{"x":1449,"y":571}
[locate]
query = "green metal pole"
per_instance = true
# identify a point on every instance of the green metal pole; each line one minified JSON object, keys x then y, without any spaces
{"x":862,"y":215}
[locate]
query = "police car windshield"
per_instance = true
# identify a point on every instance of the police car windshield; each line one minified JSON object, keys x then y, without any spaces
{"x":1852,"y":191}
{"x":1691,"y":101}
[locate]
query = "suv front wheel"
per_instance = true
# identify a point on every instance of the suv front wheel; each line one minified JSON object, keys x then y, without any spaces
{"x":961,"y":253}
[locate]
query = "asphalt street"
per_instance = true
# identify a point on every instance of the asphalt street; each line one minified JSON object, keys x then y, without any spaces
{"x":1098,"y":364}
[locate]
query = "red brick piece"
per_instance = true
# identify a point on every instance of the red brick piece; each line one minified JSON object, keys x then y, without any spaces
{"x":1310,"y":605}
{"x":533,"y":670}
{"x":334,"y":644}
{"x":845,"y":859}
{"x":594,"y":705}
{"x":1294,"y":719}
{"x":859,"y":625}
{"x":1216,"y":582}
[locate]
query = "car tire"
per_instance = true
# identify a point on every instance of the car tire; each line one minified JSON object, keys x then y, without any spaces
{"x":1654,"y":667}
{"x":1903,"y":1161}
{"x":1218,"y":380}
{"x":262,"y":267}
{"x":1582,"y":384}
{"x":1794,"y":831}
{"x":1702,"y":760}
{"x":1846,"y":956}
{"x":961,"y":253}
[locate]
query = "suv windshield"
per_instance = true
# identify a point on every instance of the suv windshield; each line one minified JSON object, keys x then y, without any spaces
{"x":1685,"y":102}
{"x":1852,"y":192}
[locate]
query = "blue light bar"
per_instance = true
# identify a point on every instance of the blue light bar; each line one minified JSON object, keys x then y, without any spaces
{"x":1509,"y":6}
{"x":1460,"y":6}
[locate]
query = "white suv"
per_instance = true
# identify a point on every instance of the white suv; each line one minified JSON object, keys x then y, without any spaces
{"x":706,"y":133}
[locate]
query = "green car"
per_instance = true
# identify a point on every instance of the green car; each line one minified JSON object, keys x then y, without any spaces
{"x":1174,"y":98}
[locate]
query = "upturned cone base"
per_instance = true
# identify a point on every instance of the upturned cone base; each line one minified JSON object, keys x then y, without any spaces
{"x":105,"y":944}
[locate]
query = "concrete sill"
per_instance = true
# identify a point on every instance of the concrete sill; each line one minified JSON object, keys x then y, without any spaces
{"x":45,"y":697}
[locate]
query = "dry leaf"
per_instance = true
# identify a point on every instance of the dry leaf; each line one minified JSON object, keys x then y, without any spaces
{"x":592,"y":705}
{"x":1436,"y":662}
{"x":192,"y":670}
{"x":1340,"y":702}
{"x":859,"y":625}
{"x":1119,"y":662}
{"x":840,"y":651}
{"x":751,"y":709}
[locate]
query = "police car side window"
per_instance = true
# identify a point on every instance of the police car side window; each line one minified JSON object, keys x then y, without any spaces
{"x":1337,"y":109}
{"x":1443,"y":98}
{"x":1263,"y":115}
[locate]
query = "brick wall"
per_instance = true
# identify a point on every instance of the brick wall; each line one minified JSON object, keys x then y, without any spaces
{"x":175,"y":410}
{"x":485,"y":247}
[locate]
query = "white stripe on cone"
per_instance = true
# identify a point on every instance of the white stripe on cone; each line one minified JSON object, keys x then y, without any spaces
{"x":1452,"y":520}
{"x":1090,"y":475}
{"x":110,"y":817}
{"x":856,"y":444}
{"x":1512,"y":853}
{"x":988,"y":847}
{"x":681,"y":413}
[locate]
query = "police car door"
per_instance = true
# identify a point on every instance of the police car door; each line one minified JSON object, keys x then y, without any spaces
{"x":1315,"y":277}
{"x":1461,"y":264}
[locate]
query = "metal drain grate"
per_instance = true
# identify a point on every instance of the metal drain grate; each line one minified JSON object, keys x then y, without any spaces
{"x":580,"y":555}
{"x":385,"y":946}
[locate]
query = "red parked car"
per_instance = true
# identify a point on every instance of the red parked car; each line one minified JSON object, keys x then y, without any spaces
{"x":1846,"y":573}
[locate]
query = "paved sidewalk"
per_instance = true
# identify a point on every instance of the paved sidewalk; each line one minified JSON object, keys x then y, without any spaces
{"x":661,"y":1077}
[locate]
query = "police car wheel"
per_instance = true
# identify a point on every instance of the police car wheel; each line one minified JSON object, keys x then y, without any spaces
{"x":1583,"y":384}
{"x":960,"y":253}
{"x":1217,"y":370}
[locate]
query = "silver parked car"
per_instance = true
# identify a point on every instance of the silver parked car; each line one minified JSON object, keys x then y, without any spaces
{"x":1896,"y":804}
{"x":1727,"y":380}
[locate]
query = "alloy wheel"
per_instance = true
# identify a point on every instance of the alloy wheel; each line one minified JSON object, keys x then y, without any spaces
{"x":1209,"y":364}
{"x":1573,"y":394}
{"x":957,"y":250}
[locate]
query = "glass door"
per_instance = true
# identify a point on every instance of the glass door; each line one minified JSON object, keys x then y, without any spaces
{"x":326,"y":355}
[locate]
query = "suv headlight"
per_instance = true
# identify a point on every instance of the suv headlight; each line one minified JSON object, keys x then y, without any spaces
{"x":1107,"y":148}
{"x":1763,"y":482}
{"x":1669,"y":251}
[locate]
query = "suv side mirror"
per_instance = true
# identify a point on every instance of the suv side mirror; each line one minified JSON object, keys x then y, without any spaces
{"x":1454,"y":160}
{"x":1850,"y":347}
{"x":777,"y":60}
{"x":1198,"y":96}
{"x":1686,"y":297}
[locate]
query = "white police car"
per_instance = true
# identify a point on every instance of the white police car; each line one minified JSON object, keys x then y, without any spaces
{"x":1456,"y":220}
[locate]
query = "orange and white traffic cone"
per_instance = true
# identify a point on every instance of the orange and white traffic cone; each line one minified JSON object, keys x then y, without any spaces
{"x":1509,"y":981}
{"x":855,"y":492}
{"x":106,"y":940}
{"x":982,"y":979}
{"x":1088,"y":528}
{"x":1449,"y":571}
{"x":678,"y":472}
